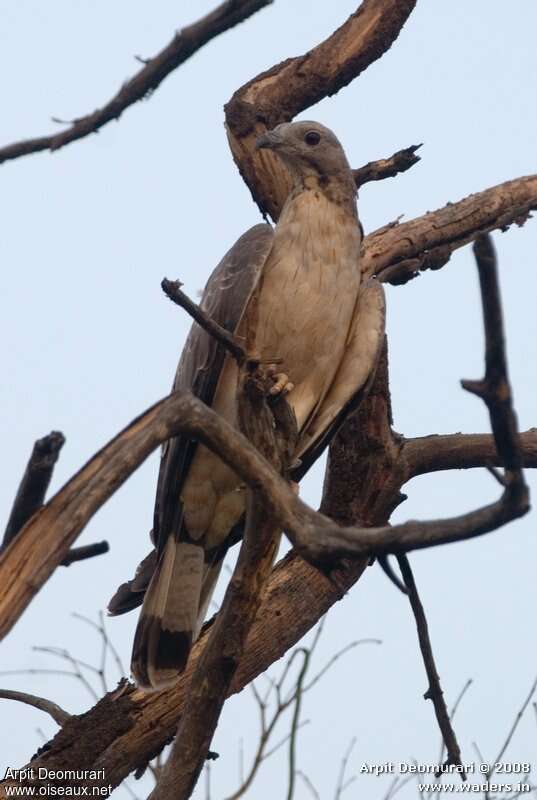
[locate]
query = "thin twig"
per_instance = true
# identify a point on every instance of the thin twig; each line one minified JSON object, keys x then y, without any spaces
{"x":103,"y":633}
{"x":514,"y":726}
{"x":267,"y":726}
{"x":58,"y":714}
{"x":341,"y":783}
{"x":295,"y":721}
{"x":314,"y":793}
{"x":172,"y":289}
{"x":75,"y":663}
{"x":434,"y":692}
{"x":452,"y":714}
{"x":330,"y":663}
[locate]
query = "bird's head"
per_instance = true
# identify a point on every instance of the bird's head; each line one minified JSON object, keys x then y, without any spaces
{"x":308,"y":149}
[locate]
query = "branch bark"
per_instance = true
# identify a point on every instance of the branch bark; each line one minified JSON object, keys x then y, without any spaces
{"x":425,"y":454}
{"x":387,"y":167}
{"x":82,"y":553}
{"x":280,"y":93}
{"x":399,"y":252}
{"x":184,"y":44}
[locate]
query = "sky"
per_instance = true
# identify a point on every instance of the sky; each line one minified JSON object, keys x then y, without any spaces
{"x":90,"y":342}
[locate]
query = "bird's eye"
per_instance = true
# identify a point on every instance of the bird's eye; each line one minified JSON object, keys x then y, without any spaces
{"x":312,"y":138}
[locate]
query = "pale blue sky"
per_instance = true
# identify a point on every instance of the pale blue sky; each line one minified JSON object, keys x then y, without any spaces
{"x":89,"y":340}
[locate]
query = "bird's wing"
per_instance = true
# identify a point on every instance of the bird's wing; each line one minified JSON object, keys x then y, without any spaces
{"x":224,"y":299}
{"x":352,"y":380}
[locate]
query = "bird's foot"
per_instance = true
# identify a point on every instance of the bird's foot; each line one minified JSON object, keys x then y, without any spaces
{"x":282,"y":385}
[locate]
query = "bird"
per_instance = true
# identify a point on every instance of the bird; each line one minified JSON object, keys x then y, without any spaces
{"x":297,"y":289}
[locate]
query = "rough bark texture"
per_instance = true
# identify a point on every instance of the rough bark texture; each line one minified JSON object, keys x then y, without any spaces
{"x":398,"y":252}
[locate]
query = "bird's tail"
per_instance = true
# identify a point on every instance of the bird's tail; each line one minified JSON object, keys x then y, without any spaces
{"x":172,"y":613}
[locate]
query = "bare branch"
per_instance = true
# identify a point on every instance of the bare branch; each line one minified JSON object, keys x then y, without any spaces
{"x":295,"y":721}
{"x":280,"y":93}
{"x":514,"y":726}
{"x":311,"y":788}
{"x":172,"y":289}
{"x":387,"y":167}
{"x":82,"y":553}
{"x":434,"y":692}
{"x":452,"y":714}
{"x":184,"y":44}
{"x":34,"y":484}
{"x":58,"y":714}
{"x":494,"y":389}
{"x":426,"y":454}
{"x":342,"y":784}
{"x":399,"y":252}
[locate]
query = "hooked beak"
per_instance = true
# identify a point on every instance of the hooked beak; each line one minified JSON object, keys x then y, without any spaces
{"x":269,"y":140}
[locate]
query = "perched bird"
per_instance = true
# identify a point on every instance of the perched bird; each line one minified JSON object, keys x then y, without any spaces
{"x":312,"y":314}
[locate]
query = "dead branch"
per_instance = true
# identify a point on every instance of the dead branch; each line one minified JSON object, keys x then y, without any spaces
{"x":426,"y":454}
{"x":514,"y":726}
{"x":280,"y":93}
{"x":434,"y":692}
{"x":452,"y":714}
{"x":494,"y":388}
{"x":343,"y":784}
{"x":31,"y":496}
{"x":172,"y":290}
{"x":399,"y":252}
{"x":387,"y":167}
{"x":34,"y":484}
{"x":58,"y":714}
{"x":85,"y":552}
{"x":184,"y":44}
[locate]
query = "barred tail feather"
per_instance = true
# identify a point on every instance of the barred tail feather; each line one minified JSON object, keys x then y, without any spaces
{"x":169,"y":618}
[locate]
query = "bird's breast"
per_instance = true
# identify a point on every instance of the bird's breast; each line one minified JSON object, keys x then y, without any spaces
{"x":307,"y":295}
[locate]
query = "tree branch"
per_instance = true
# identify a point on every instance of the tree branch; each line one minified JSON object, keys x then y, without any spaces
{"x":280,"y":93}
{"x":82,"y":553}
{"x":34,"y":484}
{"x":184,"y":44}
{"x":387,"y":167}
{"x":58,"y":714}
{"x":399,"y":252}
{"x":434,"y":692}
{"x":425,"y":454}
{"x":172,"y":290}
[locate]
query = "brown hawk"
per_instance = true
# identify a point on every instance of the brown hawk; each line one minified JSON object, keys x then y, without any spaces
{"x":313,"y":314}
